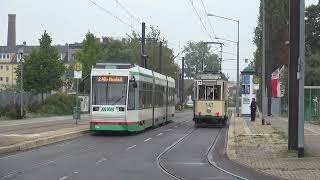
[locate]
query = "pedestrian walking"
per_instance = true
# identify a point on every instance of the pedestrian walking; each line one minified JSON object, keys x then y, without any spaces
{"x":253,"y":108}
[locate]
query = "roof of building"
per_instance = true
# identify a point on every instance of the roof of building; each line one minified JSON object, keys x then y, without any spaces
{"x":249,"y":69}
{"x":28,"y":49}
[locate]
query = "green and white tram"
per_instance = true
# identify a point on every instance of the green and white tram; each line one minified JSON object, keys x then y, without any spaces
{"x":126,"y":97}
{"x":211,"y":99}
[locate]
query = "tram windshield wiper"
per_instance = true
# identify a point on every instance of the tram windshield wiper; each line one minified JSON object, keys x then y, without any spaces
{"x":117,"y":100}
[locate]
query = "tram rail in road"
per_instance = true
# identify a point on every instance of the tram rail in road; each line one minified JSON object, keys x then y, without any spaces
{"x":208,"y":156}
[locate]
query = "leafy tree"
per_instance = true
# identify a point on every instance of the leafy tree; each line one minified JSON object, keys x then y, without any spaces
{"x":91,"y":53}
{"x":313,"y":70}
{"x":195,"y":54}
{"x":129,"y":50}
{"x":313,"y":28}
{"x":42,"y":69}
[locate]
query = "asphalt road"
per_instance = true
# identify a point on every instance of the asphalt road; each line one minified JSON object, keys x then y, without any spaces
{"x":132,"y":157}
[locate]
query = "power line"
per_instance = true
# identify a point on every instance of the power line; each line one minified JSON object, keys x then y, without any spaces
{"x":195,"y":10}
{"x":127,"y":11}
{"x":116,"y":17}
{"x":205,"y":10}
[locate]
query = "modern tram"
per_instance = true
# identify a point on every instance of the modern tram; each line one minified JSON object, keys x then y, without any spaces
{"x":126,"y":97}
{"x":210,"y":99}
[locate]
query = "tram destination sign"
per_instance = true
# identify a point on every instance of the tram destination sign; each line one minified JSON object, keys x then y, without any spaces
{"x":113,"y":79}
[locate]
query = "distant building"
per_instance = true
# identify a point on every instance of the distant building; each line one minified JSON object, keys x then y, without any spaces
{"x":10,"y":56}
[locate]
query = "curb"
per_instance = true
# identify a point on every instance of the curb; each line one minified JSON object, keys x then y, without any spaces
{"x":41,"y":142}
{"x":234,"y":159}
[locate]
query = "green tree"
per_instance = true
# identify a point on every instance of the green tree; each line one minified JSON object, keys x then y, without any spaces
{"x":91,"y":53}
{"x":42,"y":69}
{"x":195,"y":54}
{"x":129,"y":50}
{"x":313,"y":28}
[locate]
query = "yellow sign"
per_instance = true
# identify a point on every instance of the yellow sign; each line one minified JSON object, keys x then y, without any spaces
{"x":78,"y":67}
{"x":256,"y":80}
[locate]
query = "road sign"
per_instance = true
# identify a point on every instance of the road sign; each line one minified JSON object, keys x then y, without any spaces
{"x":256,"y":80}
{"x":77,"y":66}
{"x":77,"y":74}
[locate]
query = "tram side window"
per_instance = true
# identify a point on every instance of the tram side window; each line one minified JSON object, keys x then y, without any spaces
{"x":131,"y":97}
{"x":201,"y":92}
{"x":142,"y":95}
{"x":217,"y":92}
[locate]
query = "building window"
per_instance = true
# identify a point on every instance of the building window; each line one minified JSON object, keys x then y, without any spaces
{"x":1,"y":67}
{"x":7,"y":79}
{"x":0,"y":78}
{"x":8,"y":56}
{"x":3,"y":56}
{"x":7,"y":68}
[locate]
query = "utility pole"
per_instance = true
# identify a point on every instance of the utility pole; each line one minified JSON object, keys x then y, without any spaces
{"x":300,"y":75}
{"x":220,"y":65}
{"x":238,"y":71}
{"x":21,"y":52}
{"x":294,"y":112}
{"x":268,"y":66}
{"x":263,"y":78}
{"x":160,"y":58}
{"x":182,"y":80}
{"x":143,"y":42}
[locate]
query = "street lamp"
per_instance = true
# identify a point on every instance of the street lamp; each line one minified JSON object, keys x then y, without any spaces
{"x":21,"y":51}
{"x":238,"y":71}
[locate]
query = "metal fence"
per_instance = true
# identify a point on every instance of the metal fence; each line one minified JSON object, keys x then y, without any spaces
{"x":12,"y":97}
{"x":312,"y":108}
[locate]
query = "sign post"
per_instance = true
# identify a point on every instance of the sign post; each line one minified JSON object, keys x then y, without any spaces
{"x":77,"y":75}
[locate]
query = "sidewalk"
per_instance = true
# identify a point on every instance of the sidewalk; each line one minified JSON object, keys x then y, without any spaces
{"x":16,"y":135}
{"x":265,"y":148}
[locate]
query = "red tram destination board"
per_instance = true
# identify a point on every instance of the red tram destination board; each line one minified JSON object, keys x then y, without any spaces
{"x":114,"y":79}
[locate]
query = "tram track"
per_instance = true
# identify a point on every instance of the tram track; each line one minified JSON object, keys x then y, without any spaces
{"x":208,"y":156}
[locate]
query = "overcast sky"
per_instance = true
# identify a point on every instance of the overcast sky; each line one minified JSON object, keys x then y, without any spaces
{"x":67,"y":21}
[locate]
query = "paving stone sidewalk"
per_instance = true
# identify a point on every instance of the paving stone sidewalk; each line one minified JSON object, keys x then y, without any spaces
{"x":265,"y":148}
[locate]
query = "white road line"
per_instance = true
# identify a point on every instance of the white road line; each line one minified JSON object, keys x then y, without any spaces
{"x":75,"y":172}
{"x":159,"y":134}
{"x":312,"y":130}
{"x":101,"y":160}
{"x":175,"y":126}
{"x":147,"y":139}
{"x":64,"y":177}
{"x":130,"y":147}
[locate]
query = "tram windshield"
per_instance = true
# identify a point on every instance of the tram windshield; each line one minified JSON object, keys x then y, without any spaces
{"x":109,"y":90}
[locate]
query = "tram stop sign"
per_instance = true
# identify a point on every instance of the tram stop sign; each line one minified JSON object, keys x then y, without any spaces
{"x":256,"y":80}
{"x":77,"y":73}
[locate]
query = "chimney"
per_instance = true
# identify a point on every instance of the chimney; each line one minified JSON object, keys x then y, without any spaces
{"x":11,"y":41}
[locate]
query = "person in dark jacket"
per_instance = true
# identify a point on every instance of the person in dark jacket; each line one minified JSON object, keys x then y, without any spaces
{"x":253,"y":108}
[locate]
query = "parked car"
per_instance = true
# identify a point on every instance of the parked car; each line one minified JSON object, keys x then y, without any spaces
{"x":189,"y":104}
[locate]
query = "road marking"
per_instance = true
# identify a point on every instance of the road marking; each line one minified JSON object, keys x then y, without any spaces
{"x":75,"y":172}
{"x":130,"y":147}
{"x":12,"y":173}
{"x":159,"y":134}
{"x":101,"y":160}
{"x":190,"y":163}
{"x":167,"y":130}
{"x":147,"y":139}
{"x":175,"y":126}
{"x":64,"y":177}
{"x":312,"y":130}
{"x":42,"y":164}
